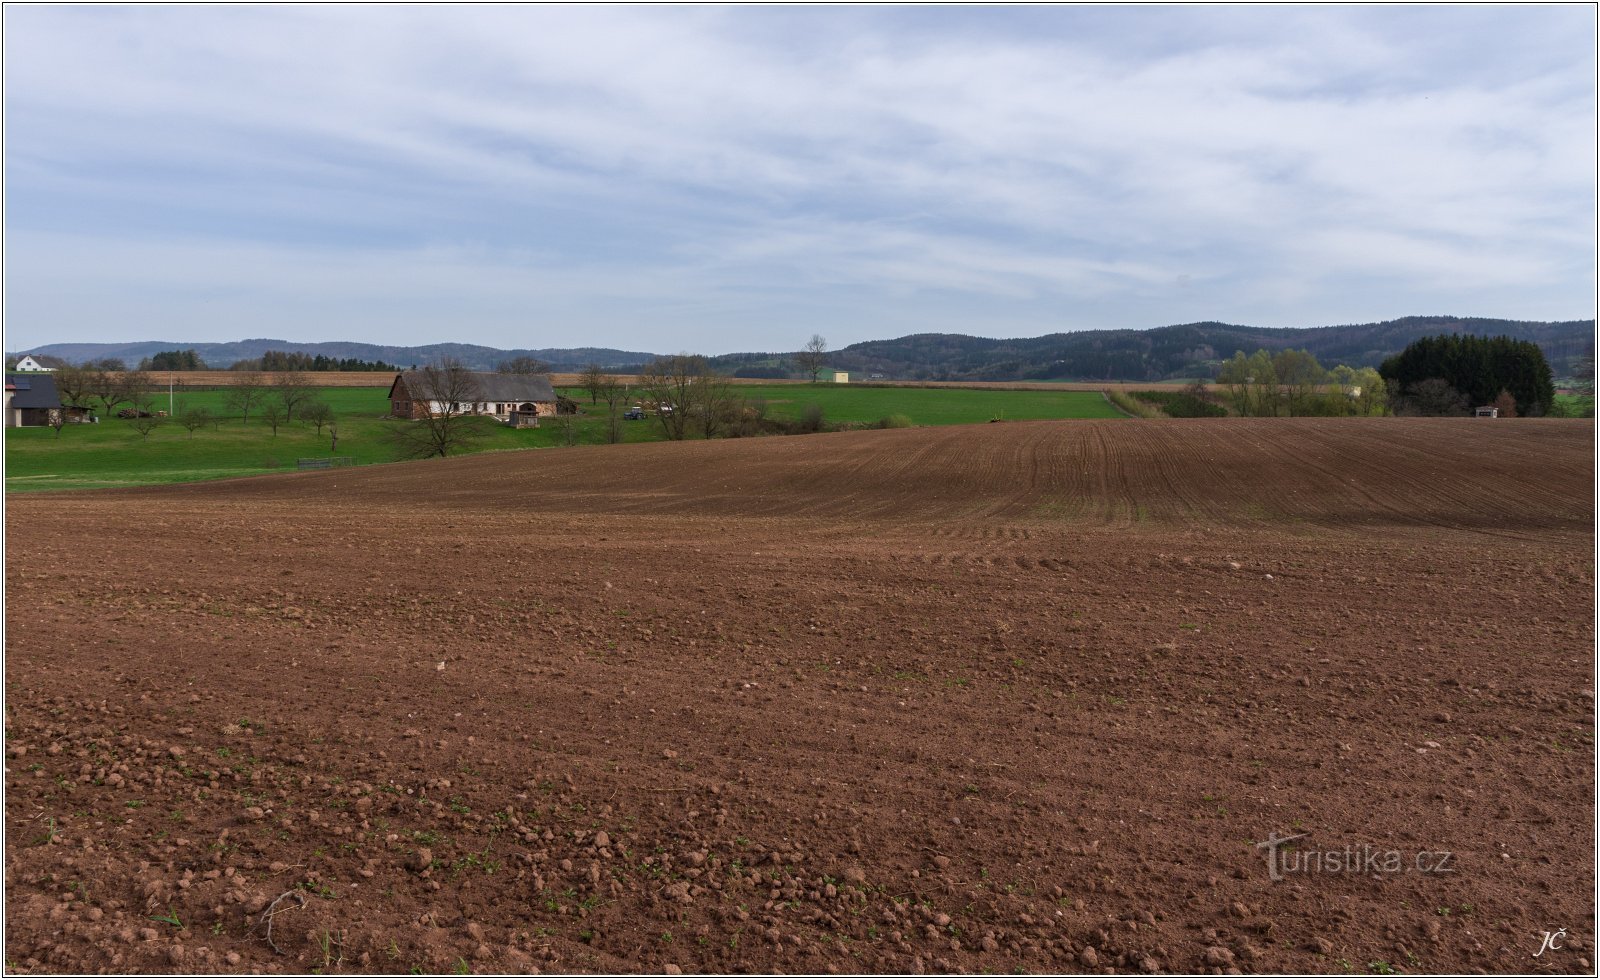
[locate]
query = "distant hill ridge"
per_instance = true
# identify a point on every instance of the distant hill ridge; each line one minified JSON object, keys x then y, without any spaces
{"x":1179,"y":351}
{"x":221,"y":355}
{"x":1189,"y":350}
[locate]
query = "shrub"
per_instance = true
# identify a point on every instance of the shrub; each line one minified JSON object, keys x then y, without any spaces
{"x":1130,"y":405}
{"x":811,"y":418}
{"x":894,"y":422}
{"x":1432,"y":396}
{"x":1186,"y":404}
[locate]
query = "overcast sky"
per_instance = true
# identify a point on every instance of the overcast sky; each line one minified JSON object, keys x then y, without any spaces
{"x":720,"y":179}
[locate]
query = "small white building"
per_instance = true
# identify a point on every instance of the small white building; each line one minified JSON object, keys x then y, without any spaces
{"x":1486,"y":412}
{"x":841,"y":377}
{"x":29,"y":364}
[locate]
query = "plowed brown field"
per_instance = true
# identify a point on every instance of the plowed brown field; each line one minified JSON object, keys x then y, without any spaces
{"x":985,"y":698}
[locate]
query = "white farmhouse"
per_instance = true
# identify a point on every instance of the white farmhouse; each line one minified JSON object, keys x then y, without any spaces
{"x":507,"y":397}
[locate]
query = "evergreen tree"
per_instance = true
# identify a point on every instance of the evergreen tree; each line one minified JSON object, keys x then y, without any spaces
{"x":1480,"y":368}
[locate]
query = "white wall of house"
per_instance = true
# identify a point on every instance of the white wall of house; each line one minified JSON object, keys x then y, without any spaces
{"x":489,"y":408}
{"x":29,"y":364}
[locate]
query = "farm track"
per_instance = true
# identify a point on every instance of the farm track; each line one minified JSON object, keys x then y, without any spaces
{"x":955,"y":699}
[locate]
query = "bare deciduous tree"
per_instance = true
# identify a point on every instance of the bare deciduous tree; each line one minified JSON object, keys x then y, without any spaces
{"x":293,"y":389}
{"x":813,"y":356}
{"x":194,"y":418}
{"x":670,"y":382}
{"x":716,"y":407}
{"x":73,"y":384}
{"x":145,"y":420}
{"x":614,"y":393}
{"x":592,"y":380}
{"x":689,"y":396}
{"x":249,"y":388}
{"x":114,"y":388}
{"x":317,"y":414}
{"x":272,"y":414}
{"x":523,"y":365}
{"x":448,"y":391}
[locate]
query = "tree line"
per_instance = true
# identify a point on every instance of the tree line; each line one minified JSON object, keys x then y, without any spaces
{"x":270,"y":360}
{"x":1450,"y":374}
{"x":277,"y":360}
{"x":275,"y":399}
{"x":1186,"y":351}
{"x":1292,"y":383}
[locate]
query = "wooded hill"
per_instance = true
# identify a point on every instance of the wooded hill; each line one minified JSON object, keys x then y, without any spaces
{"x":220,"y":355}
{"x":1191,"y":350}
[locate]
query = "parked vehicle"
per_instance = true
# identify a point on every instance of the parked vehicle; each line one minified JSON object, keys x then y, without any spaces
{"x":634,"y":413}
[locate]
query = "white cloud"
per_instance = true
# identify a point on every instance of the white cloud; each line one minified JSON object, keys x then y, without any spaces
{"x":626,"y":164}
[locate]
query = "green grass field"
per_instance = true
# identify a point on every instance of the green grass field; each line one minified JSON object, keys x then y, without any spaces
{"x":1577,"y":406}
{"x":113,"y":454}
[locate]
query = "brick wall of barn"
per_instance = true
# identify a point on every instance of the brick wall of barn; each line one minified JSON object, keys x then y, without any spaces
{"x":402,"y":405}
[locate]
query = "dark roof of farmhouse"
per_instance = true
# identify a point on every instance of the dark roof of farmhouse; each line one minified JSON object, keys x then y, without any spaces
{"x":490,"y":387}
{"x":33,"y":391}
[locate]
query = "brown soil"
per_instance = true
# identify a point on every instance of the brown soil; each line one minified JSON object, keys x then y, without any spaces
{"x":971,"y":699}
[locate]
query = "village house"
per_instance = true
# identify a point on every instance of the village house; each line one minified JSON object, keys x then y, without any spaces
{"x":510,"y":398}
{"x":30,"y":364}
{"x":31,"y":399}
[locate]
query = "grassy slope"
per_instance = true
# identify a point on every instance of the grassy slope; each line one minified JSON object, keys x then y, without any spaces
{"x":112,"y":454}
